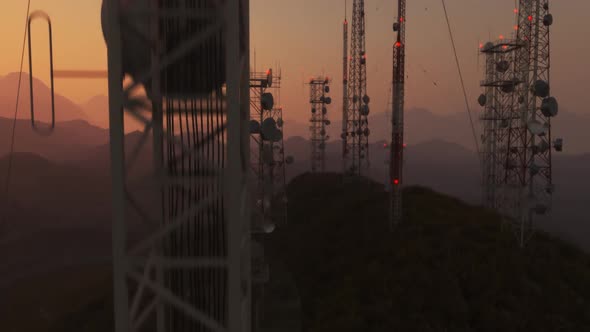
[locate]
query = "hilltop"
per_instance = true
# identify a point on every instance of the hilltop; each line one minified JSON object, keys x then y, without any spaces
{"x":449,"y":267}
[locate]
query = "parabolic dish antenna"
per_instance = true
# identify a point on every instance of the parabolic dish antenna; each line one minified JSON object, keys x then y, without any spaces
{"x":488,"y":46}
{"x":267,"y":101}
{"x":268,"y":227}
{"x":482,"y":100}
{"x":328,"y":100}
{"x":269,"y":77}
{"x":541,"y":88}
{"x":326,"y":89}
{"x":324,"y":110}
{"x":327,"y":122}
{"x":536,"y":127}
{"x":549,"y":107}
{"x":558,"y":144}
{"x":366,"y":99}
{"x":548,"y":20}
{"x":254,"y":127}
{"x":365,"y":110}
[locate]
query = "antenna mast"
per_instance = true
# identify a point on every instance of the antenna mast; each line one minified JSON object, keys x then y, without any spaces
{"x":318,"y":88}
{"x":356,"y":152}
{"x":344,"y":86}
{"x":397,"y":119}
{"x":529,"y":151}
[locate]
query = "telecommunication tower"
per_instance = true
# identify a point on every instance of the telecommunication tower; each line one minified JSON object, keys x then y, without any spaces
{"x":344,"y":88}
{"x":191,"y":268}
{"x":267,"y":159}
{"x":397,"y":118}
{"x":499,"y":86}
{"x":356,"y":137}
{"x":517,"y":121}
{"x":529,"y":166}
{"x":318,"y":90}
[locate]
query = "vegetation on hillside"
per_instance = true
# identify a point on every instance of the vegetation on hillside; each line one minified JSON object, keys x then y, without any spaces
{"x":448,"y":267}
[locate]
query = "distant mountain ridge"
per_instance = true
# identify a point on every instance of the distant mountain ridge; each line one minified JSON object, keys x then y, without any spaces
{"x":423,"y":125}
{"x":65,"y":109}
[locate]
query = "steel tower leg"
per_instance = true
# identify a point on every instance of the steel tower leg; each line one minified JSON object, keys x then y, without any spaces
{"x":164,"y":279}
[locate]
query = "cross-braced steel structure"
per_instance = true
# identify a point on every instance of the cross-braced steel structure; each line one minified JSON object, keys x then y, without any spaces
{"x":344,"y":88}
{"x":528,"y":164}
{"x":356,"y":135}
{"x":190,"y":271}
{"x":498,"y":98}
{"x":318,"y":90}
{"x":267,"y":158}
{"x":397,"y":118}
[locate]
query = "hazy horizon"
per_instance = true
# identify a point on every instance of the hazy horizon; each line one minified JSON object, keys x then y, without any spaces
{"x":305,"y":48}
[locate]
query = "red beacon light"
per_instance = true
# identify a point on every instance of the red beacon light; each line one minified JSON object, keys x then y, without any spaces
{"x":395,"y":181}
{"x":530,"y":18}
{"x":398,"y":44}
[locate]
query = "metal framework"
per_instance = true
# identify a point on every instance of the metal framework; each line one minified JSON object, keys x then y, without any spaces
{"x":190,"y":270}
{"x":528,"y":162}
{"x":318,"y":88}
{"x":344,"y":88}
{"x":267,"y":158}
{"x":498,"y":98}
{"x":397,"y":118}
{"x":356,"y":137}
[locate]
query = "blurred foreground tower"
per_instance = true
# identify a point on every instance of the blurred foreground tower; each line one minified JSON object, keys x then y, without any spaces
{"x":190,"y":269}
{"x":318,"y":90}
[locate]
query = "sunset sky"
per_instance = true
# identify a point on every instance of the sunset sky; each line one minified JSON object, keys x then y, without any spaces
{"x":305,"y":37}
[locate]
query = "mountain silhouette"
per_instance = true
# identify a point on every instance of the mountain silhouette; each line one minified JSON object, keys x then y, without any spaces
{"x":423,"y":125}
{"x":67,"y":142}
{"x":65,"y":110}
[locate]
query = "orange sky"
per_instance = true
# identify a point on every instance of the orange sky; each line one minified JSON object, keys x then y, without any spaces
{"x":305,"y":36}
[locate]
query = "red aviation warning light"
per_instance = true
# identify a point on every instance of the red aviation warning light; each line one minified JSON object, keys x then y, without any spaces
{"x":515,"y":10}
{"x":395,"y":181}
{"x":398,"y":44}
{"x":530,"y":18}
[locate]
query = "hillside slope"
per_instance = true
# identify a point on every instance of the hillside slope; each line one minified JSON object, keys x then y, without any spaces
{"x":449,"y":267}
